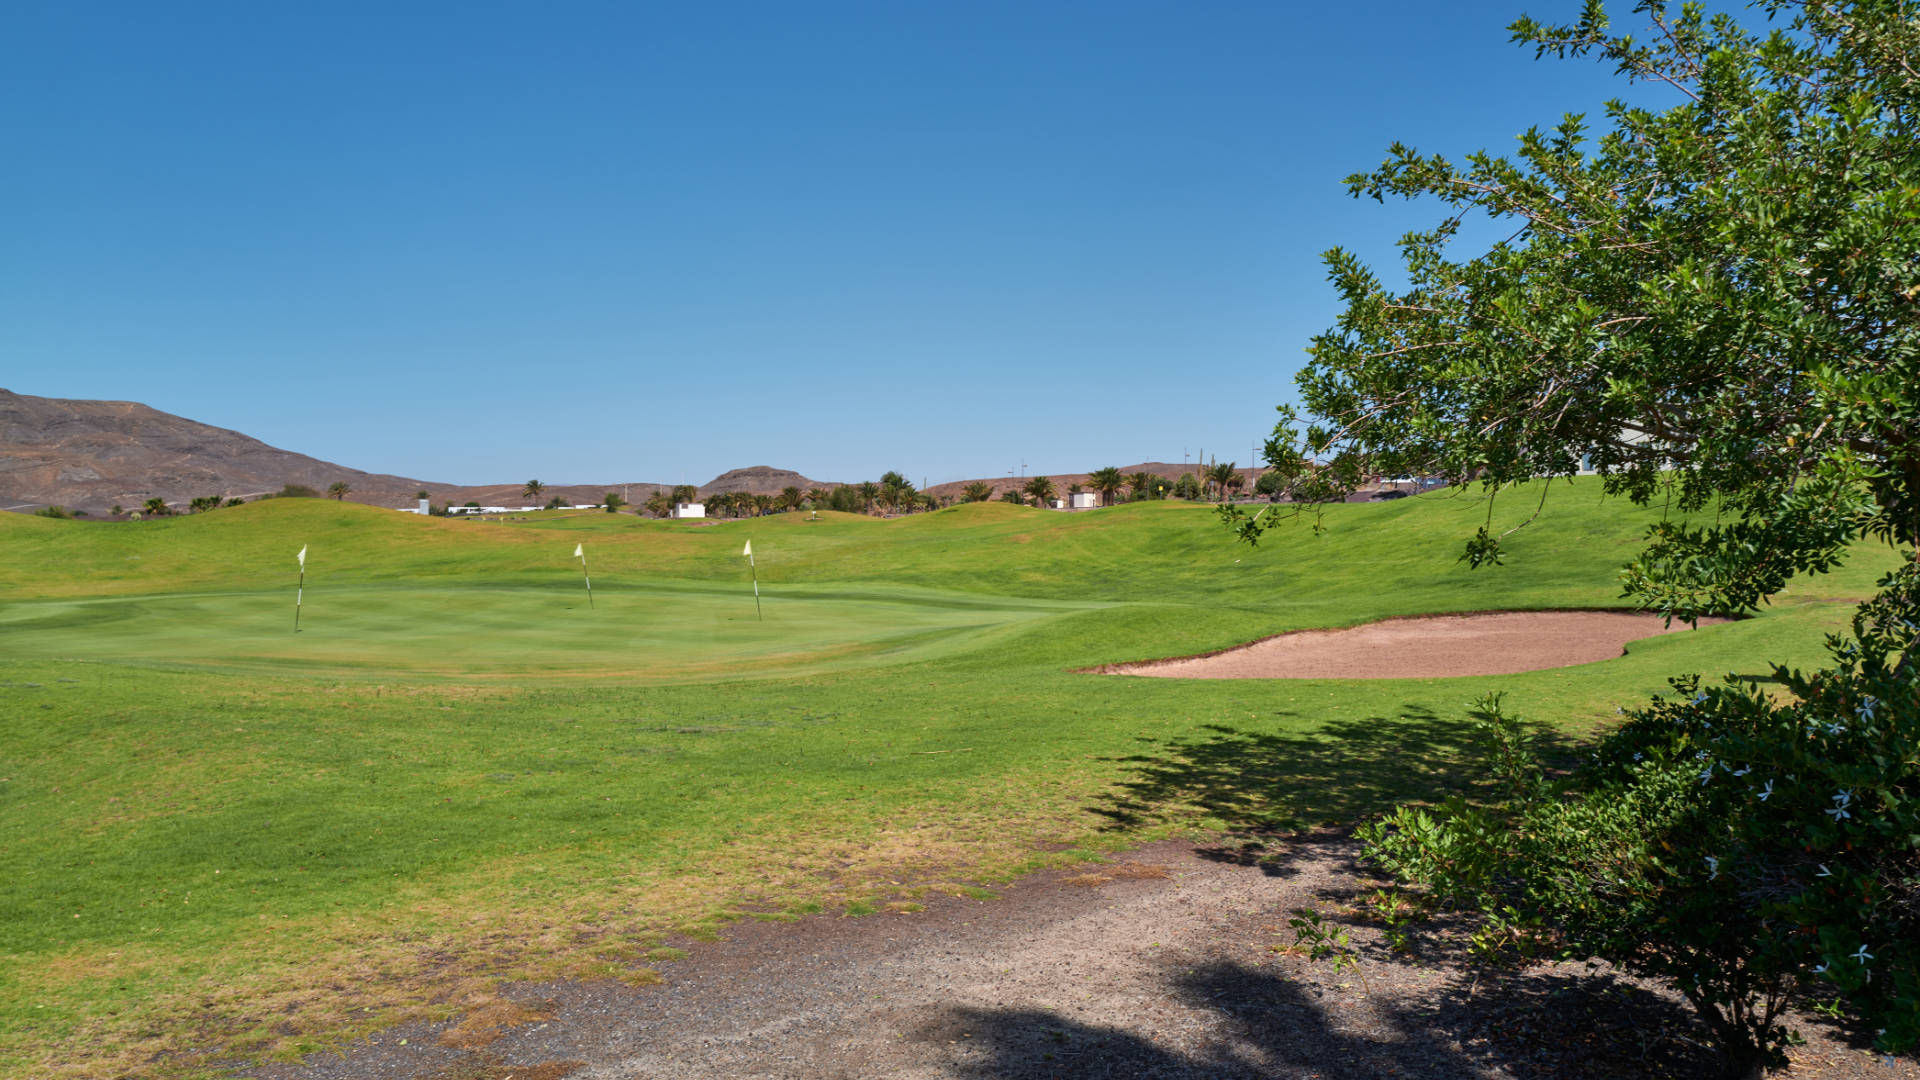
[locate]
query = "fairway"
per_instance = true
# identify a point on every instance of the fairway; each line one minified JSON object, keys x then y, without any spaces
{"x":220,"y":834}
{"x":472,"y":631}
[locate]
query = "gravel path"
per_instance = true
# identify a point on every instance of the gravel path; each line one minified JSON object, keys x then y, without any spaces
{"x":1169,"y":962}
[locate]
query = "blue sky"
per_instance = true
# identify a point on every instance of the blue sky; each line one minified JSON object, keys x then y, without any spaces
{"x":610,"y":242}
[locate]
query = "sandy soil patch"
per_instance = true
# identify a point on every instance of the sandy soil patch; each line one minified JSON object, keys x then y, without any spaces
{"x":1423,"y":647}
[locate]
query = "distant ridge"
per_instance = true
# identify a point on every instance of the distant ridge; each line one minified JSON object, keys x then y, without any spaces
{"x":93,"y":455}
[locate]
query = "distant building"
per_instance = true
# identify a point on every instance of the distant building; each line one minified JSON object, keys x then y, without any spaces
{"x":689,"y":510}
{"x":1085,"y":500}
{"x":423,"y":509}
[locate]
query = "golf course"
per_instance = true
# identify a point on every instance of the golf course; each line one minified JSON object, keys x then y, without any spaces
{"x":225,"y":841}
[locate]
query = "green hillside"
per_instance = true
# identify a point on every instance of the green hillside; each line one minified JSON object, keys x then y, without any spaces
{"x":219,"y":833}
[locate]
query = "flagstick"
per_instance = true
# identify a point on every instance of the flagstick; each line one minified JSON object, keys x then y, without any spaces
{"x":588,"y":580}
{"x":756,"y":590}
{"x":298,"y":596}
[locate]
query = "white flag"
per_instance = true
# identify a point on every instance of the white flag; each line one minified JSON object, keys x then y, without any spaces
{"x":578,"y":553}
{"x":302,"y":556}
{"x":749,"y":552}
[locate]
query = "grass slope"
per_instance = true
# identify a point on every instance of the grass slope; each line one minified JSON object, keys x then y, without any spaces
{"x":220,"y":835}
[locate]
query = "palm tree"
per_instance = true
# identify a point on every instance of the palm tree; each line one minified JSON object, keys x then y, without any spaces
{"x":533,"y":489}
{"x":869,"y":491}
{"x":1217,"y":476}
{"x":817,"y":497}
{"x":978,"y":491}
{"x":157,"y":507}
{"x":1108,"y":483}
{"x":1141,"y":483}
{"x":791,"y":498}
{"x":1041,"y":488}
{"x":117,"y":510}
{"x":339,"y":489}
{"x":685,"y":493}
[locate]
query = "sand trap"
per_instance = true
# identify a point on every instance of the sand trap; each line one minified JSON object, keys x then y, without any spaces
{"x":1424,"y":647}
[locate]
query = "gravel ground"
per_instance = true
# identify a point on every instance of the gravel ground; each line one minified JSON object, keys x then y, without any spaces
{"x":1168,"y":962}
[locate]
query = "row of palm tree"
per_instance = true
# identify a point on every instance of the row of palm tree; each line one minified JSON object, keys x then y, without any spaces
{"x":1215,"y":482}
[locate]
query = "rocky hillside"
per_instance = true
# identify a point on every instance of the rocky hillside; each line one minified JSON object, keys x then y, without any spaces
{"x":94,"y":455}
{"x":760,"y":480}
{"x":90,"y":455}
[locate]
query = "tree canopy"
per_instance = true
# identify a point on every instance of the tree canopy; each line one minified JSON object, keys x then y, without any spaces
{"x":1717,"y":305}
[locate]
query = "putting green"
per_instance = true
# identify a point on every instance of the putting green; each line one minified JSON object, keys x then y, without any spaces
{"x":468,"y":631}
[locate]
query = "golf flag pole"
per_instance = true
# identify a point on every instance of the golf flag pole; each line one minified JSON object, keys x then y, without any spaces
{"x":756,"y":582}
{"x":300,"y":592}
{"x":580,"y":552}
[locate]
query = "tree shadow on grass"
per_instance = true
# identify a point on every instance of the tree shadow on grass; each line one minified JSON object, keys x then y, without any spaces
{"x":1262,"y":784}
{"x":1264,"y":1024}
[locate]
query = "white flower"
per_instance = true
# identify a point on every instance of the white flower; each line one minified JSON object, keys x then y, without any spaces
{"x":1766,"y":791}
{"x":1844,"y":797}
{"x":1838,"y":814}
{"x":1744,"y":771}
{"x":1700,"y":697}
{"x":1820,"y":970}
{"x":1865,"y":711}
{"x":1713,"y":866}
{"x":1637,"y":755}
{"x":1861,"y":955}
{"x":1706,"y":774}
{"x":1824,"y":872}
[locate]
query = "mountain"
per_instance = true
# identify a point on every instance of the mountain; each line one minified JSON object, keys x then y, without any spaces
{"x":93,"y":455}
{"x":760,"y":480}
{"x":90,"y":455}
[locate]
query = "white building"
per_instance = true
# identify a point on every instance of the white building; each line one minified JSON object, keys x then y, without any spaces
{"x":1085,"y":500}
{"x":689,"y":510}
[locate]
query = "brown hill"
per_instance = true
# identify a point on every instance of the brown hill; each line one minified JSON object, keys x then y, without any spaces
{"x":759,"y":480}
{"x":89,"y":455}
{"x":93,"y":455}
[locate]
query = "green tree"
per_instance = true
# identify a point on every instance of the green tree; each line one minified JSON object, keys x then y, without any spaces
{"x":817,"y":497}
{"x":869,"y":492}
{"x":612,"y":501}
{"x":1107,"y":482}
{"x":685,"y":493}
{"x":116,"y":510}
{"x":1040,"y":489}
{"x":1218,"y":478}
{"x":978,"y":491}
{"x":339,"y":489}
{"x":1141,"y":484}
{"x":533,"y":489}
{"x":1717,"y":304}
{"x":1012,"y":495}
{"x":422,"y":494}
{"x":658,"y":504}
{"x":157,"y":507}
{"x":1186,"y":487}
{"x":297,"y":491}
{"x":791,"y":498}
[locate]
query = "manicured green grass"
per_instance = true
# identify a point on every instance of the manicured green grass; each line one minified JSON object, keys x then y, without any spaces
{"x":219,"y":834}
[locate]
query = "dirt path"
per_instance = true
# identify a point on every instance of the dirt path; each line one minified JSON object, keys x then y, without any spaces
{"x":1423,"y":647}
{"x":1161,"y":964}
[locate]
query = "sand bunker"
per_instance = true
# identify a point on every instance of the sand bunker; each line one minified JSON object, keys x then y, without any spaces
{"x":1425,"y":647}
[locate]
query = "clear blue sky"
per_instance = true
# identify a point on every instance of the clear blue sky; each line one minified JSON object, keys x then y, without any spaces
{"x":600,"y":242}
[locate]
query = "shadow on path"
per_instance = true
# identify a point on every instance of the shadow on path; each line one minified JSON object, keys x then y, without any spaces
{"x":1270,"y":1026}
